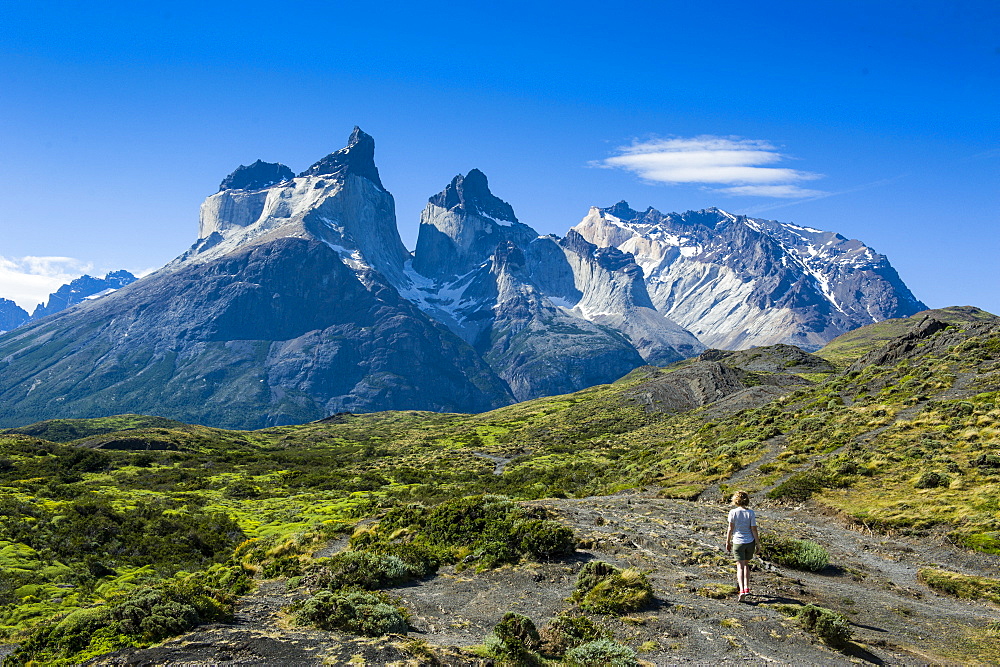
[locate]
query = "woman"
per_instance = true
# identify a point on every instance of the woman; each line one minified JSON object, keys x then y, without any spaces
{"x":742,"y":534}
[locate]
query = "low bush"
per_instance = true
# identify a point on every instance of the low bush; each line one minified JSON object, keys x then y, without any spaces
{"x":361,"y":569}
{"x":564,"y":632}
{"x":796,"y":554}
{"x":988,"y":542}
{"x":420,"y":559}
{"x":369,"y":613}
{"x":593,"y":573}
{"x":495,"y":529}
{"x":601,"y":653}
{"x":802,"y":485}
{"x":514,"y":639}
{"x":544,"y":540}
{"x":151,"y":532}
{"x":830,"y":626}
{"x":603,"y":588}
{"x":987,"y":462}
{"x":142,"y":617}
{"x":931,"y":479}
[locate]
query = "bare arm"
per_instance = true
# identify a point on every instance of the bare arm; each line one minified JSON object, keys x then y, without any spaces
{"x":729,"y":538}
{"x":756,"y":537}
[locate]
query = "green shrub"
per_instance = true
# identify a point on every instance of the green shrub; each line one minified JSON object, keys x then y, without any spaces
{"x":153,"y":615}
{"x":601,"y":653}
{"x":544,"y":540}
{"x":830,"y":626}
{"x":564,"y":632}
{"x":150,"y":533}
{"x":144,"y":616}
{"x":514,"y":639}
{"x":603,"y":588}
{"x":496,"y":529}
{"x":986,"y":462}
{"x":797,"y":554}
{"x":420,"y":559}
{"x":593,"y":573}
{"x":361,"y":569}
{"x":988,"y":542}
{"x":802,"y":485}
{"x":931,"y":480}
{"x":370,"y":613}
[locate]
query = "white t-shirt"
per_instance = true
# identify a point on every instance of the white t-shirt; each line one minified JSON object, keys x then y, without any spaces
{"x":741,"y":519}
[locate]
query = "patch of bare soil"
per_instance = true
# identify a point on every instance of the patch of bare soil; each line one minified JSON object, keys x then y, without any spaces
{"x":872,"y":580}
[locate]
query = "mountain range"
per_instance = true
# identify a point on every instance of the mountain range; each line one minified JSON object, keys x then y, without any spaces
{"x":70,"y":294}
{"x":299,"y":300}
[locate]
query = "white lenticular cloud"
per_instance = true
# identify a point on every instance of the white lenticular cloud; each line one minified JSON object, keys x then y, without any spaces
{"x":28,"y":281}
{"x":742,"y":164}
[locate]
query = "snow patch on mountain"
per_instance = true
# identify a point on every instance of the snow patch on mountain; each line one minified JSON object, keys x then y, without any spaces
{"x":739,"y":282}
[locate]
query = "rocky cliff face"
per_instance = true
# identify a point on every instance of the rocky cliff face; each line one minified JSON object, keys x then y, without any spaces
{"x":738,"y":282}
{"x":278,"y":314}
{"x":550,"y":315}
{"x":11,"y":315}
{"x":612,"y":293}
{"x":461,"y":227}
{"x":339,"y":200}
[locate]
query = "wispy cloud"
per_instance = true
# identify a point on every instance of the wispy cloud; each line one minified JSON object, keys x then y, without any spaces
{"x":753,"y":210}
{"x":746,"y":166}
{"x":28,"y":281}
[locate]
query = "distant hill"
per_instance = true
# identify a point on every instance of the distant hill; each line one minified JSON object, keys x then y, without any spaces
{"x":70,"y":294}
{"x":849,"y":347}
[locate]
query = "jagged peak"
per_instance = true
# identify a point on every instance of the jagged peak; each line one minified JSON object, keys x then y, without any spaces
{"x":357,"y":157}
{"x":610,"y":258}
{"x":471,"y":194}
{"x":622,"y":211}
{"x":256,"y":176}
{"x":707,"y":217}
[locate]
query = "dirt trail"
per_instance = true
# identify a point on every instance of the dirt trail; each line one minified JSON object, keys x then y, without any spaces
{"x":501,"y":462}
{"x":679,"y":543}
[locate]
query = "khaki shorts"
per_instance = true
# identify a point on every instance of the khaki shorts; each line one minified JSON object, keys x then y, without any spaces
{"x":744,"y":551}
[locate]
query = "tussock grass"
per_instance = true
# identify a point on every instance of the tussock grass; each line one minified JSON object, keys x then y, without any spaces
{"x":963,"y":586}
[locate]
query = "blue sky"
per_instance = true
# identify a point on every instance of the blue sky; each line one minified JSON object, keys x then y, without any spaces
{"x":874,"y":119}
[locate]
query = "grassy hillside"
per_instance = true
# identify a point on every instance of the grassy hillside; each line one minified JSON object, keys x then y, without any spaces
{"x":94,"y":512}
{"x":848,"y":347}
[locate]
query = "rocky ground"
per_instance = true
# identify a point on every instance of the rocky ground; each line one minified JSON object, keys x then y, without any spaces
{"x":872,"y":580}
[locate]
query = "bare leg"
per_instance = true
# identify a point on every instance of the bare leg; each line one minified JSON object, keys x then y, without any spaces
{"x":743,"y":579}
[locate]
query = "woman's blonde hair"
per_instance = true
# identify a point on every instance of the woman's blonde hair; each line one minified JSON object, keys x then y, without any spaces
{"x":741,"y":498}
